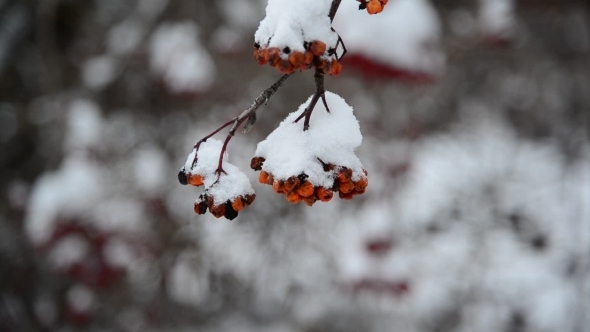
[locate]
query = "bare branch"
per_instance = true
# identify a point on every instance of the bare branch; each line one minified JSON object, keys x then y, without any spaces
{"x":334,"y":9}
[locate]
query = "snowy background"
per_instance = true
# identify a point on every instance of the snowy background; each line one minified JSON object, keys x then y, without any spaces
{"x":475,"y":118}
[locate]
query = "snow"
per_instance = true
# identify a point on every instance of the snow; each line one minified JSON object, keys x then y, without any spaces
{"x":81,"y":298}
{"x":125,"y":37}
{"x":98,"y":72}
{"x":496,"y":17}
{"x":66,"y":193}
{"x":177,"y":56}
{"x":332,"y":137}
{"x":406,"y":34}
{"x":230,"y":185}
{"x":150,"y":169}
{"x":68,"y":251}
{"x":84,"y":125}
{"x":291,"y":23}
{"x":188,"y":283}
{"x":241,"y":14}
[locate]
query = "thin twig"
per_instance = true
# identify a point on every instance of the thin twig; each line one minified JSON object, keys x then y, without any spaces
{"x":262,"y":99}
{"x":334,"y":9}
{"x":320,"y":92}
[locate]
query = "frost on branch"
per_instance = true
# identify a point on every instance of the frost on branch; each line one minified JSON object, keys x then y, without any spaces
{"x":313,"y":164}
{"x":227,"y":190}
{"x":297,"y":35}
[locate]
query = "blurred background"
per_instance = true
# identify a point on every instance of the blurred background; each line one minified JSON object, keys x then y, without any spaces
{"x":475,"y":116}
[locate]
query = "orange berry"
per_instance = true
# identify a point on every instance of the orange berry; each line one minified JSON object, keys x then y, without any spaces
{"x":324,"y":195}
{"x":265,"y":178}
{"x":291,"y":184}
{"x":383,"y":2}
{"x":309,"y":200}
{"x":285,"y":67}
{"x":260,"y":56}
{"x":238,"y":204}
{"x":217,"y":211}
{"x":293,"y":197}
{"x":296,"y":58}
{"x":344,"y":175}
{"x":270,"y":53}
{"x":336,"y":68}
{"x":374,"y":7}
{"x":317,"y":47}
{"x":200,"y":208}
{"x":346,"y":187}
{"x":361,"y":184}
{"x":248,"y":199}
{"x":195,"y":180}
{"x":274,"y":57}
{"x":256,"y":163}
{"x":360,"y":192}
{"x":323,"y":66}
{"x":346,"y":196}
{"x":305,"y":189}
{"x":307,"y":58}
{"x":277,"y":186}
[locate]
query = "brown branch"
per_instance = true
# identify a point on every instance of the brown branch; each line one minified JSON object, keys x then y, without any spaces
{"x":236,"y":122}
{"x":334,"y":9}
{"x":320,"y":92}
{"x":250,"y":113}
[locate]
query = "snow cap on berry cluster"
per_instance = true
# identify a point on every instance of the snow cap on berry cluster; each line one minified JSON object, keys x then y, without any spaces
{"x":231,"y":184}
{"x":332,"y":137}
{"x":290,"y":23}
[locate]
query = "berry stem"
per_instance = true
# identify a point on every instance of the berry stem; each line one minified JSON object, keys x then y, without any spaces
{"x":320,"y":92}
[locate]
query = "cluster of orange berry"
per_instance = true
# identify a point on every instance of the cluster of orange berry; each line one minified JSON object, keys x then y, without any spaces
{"x":287,"y":61}
{"x":373,"y":6}
{"x":297,"y":188}
{"x":228,"y":209}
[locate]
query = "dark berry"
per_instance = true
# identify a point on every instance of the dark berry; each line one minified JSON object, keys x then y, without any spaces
{"x":230,"y":213}
{"x":182,"y":178}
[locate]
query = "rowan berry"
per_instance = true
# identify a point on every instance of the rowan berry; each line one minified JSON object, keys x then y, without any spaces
{"x":293,"y":197}
{"x":323,"y":194}
{"x":285,"y":67}
{"x":344,"y":175}
{"x":195,"y":180}
{"x":256,"y":163}
{"x":291,"y":184}
{"x":306,"y":189}
{"x":200,"y":207}
{"x":238,"y":204}
{"x":374,"y":7}
{"x":217,"y":210}
{"x":296,"y":59}
{"x":309,"y":200}
{"x":317,"y":47}
{"x":277,"y":186}
{"x":346,"y":187}
{"x":361,"y":184}
{"x":336,"y":68}
{"x":265,"y":178}
{"x":345,"y":196}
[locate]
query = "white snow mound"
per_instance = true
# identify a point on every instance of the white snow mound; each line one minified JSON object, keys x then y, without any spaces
{"x":331,"y":137}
